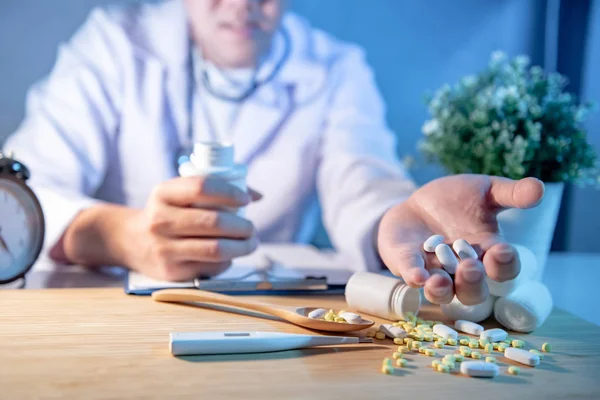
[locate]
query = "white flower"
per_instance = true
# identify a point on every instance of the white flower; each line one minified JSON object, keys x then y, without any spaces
{"x":430,"y":127}
{"x":522,"y":61}
{"x":498,"y":56}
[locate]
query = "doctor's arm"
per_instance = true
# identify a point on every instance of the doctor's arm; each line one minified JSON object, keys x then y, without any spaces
{"x":71,"y":122}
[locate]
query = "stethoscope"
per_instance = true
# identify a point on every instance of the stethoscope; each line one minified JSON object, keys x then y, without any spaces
{"x":186,"y":149}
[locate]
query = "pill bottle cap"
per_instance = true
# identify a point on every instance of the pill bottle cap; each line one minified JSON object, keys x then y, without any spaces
{"x":405,"y":301}
{"x":212,"y":155}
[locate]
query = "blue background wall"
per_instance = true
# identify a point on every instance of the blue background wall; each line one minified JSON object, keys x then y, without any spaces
{"x":413,"y":46}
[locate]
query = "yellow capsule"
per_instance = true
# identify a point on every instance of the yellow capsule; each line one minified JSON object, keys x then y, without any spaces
{"x":474,"y":344}
{"x":443,"y":368}
{"x":435,"y":363}
{"x":489,"y":348}
{"x":514,"y":370}
{"x":422,"y":349}
{"x":370,"y":333}
{"x":386,"y":369}
{"x":459,"y":358}
{"x":464,"y":342}
{"x":518,"y":343}
{"x":490,"y":359}
{"x":380,"y":335}
{"x":438,"y":345}
{"x":452,"y":342}
{"x":538,"y":353}
{"x":546,"y":347}
{"x":401,"y":362}
{"x":476,"y":355}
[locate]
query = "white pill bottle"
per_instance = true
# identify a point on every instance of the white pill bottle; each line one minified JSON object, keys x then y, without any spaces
{"x":382,"y":296}
{"x":215,"y":159}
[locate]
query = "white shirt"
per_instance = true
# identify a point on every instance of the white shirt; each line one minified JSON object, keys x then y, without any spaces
{"x":108,"y":121}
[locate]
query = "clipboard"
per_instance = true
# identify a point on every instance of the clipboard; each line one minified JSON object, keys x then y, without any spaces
{"x":273,"y":269}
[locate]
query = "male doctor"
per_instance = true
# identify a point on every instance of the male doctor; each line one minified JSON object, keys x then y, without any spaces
{"x":135,"y":88}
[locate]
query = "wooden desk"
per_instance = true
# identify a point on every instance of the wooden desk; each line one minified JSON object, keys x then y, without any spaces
{"x":100,"y":343}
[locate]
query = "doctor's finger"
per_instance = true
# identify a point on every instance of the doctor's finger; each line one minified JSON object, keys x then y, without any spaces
{"x":189,"y":270}
{"x":184,"y":192}
{"x":407,"y":262}
{"x":211,"y":250}
{"x":198,"y":222}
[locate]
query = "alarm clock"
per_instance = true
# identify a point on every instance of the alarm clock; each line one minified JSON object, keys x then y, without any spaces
{"x":22,"y":226}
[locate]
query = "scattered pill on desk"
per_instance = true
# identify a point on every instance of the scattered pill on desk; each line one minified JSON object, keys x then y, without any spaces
{"x":435,"y":363}
{"x":452,"y":342}
{"x":468,"y":327}
{"x":546,"y":347}
{"x":451,"y":365}
{"x":386,"y":369}
{"x":464,"y":249}
{"x":451,"y":357}
{"x":398,"y":341}
{"x":522,"y":356}
{"x":422,"y":349}
{"x":502,"y":347}
{"x":446,"y":257}
{"x":339,"y":319}
{"x":432,"y":242}
{"x":444,"y":331}
{"x":479,"y":369}
{"x":430,"y":352}
{"x":403,"y":349}
{"x":408,"y":342}
{"x":474,"y":344}
{"x":514,"y":370}
{"x":493,"y":335}
{"x":464,"y":341}
{"x":392,"y":331}
{"x":537,"y":353}
{"x":489,"y":348}
{"x":371,"y":333}
{"x":380,"y":335}
{"x":483,"y":343}
{"x":476,"y":355}
{"x":519,"y":344}
{"x":397,"y":355}
{"x":439,"y":345}
{"x":401,"y":362}
{"x":465,"y":352}
{"x":443,"y":368}
{"x":459,"y":358}
{"x":490,"y":359}
{"x":317,"y":313}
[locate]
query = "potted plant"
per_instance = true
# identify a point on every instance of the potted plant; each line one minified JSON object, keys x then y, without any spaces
{"x":516,"y":121}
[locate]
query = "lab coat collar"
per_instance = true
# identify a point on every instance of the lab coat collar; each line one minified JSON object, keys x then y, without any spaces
{"x":164,"y":35}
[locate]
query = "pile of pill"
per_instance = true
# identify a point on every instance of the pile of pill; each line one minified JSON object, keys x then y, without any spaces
{"x":447,"y":255}
{"x":416,"y":333}
{"x":332,"y":316}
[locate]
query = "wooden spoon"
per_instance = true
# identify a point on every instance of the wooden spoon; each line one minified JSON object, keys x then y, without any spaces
{"x":295,"y":315}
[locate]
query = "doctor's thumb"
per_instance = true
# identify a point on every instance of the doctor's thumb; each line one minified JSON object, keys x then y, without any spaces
{"x":254,"y":195}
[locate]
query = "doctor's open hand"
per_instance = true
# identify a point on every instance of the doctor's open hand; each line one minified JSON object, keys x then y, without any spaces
{"x":173,"y":238}
{"x":459,"y":206}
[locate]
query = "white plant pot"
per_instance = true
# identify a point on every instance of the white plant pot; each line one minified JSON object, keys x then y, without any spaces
{"x":534,"y":227}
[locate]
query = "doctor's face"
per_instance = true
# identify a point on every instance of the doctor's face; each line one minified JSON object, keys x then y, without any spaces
{"x":234,"y":33}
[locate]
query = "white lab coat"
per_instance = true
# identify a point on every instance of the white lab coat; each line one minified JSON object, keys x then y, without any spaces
{"x":106,"y":123}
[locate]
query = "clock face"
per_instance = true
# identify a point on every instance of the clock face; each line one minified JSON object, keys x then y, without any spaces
{"x":21,"y":229}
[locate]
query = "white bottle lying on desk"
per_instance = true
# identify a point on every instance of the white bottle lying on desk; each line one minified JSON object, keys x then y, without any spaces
{"x":215,"y":159}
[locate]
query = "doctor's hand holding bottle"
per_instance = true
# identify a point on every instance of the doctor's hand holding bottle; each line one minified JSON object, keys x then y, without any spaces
{"x":169,"y":239}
